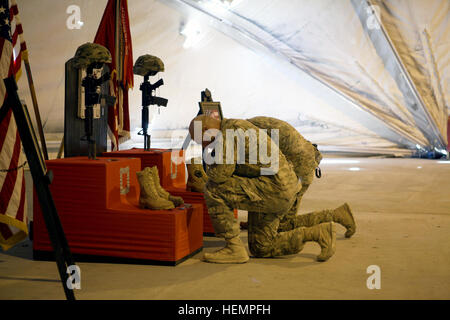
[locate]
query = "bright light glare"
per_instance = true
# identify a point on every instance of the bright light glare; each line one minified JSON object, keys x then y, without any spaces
{"x":339,"y":161}
{"x":444,"y":162}
{"x":419,"y":167}
{"x":193,"y":33}
{"x":354,"y":169}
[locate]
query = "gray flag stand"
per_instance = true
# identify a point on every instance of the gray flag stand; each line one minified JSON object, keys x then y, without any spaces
{"x":41,"y":179}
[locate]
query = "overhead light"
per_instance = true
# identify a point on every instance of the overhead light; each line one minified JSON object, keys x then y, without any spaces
{"x":354,"y":169}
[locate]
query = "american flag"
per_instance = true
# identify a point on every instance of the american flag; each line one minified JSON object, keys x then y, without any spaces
{"x":13,"y":208}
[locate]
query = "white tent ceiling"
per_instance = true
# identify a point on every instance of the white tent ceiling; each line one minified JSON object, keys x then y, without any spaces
{"x":350,"y":74}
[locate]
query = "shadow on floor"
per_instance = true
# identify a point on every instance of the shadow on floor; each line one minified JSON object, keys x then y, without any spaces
{"x":28,"y":279}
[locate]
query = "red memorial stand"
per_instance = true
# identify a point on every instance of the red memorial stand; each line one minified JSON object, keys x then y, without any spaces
{"x":97,"y":201}
{"x":172,"y":175}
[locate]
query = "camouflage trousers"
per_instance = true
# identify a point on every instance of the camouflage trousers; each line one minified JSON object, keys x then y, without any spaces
{"x":267,"y":236}
{"x":289,"y":219}
{"x":272,"y":235}
{"x":293,"y":220}
{"x":265,"y":210}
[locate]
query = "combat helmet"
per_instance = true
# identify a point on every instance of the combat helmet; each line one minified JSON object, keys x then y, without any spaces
{"x":90,"y":53}
{"x":148,"y":65}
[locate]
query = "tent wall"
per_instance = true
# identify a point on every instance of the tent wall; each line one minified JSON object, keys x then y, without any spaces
{"x":310,"y":63}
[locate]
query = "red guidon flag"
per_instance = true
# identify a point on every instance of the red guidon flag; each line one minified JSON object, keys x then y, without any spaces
{"x":13,"y":207}
{"x":114,"y":34}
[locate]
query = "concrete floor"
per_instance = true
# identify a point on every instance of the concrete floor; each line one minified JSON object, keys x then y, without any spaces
{"x":402,"y":209}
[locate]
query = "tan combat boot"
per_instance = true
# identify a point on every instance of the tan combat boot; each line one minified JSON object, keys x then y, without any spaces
{"x":149,"y":197}
{"x":177,"y":201}
{"x":234,"y":252}
{"x":197,"y":177}
{"x":344,"y":216}
{"x":325,"y":235}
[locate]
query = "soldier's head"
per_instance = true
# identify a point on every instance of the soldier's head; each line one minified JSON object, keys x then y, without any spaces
{"x":203,"y":129}
{"x":91,"y":54}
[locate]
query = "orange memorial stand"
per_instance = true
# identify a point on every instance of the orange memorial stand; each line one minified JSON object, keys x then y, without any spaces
{"x":97,"y":202}
{"x":171,"y":174}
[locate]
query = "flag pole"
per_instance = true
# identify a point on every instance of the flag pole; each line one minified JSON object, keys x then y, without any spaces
{"x":117,"y":50}
{"x":117,"y":42}
{"x":61,"y":149}
{"x":35,"y":103}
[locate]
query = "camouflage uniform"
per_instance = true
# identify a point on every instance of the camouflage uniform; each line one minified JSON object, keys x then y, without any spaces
{"x":267,"y":197}
{"x":303,"y":155}
{"x":304,"y":158}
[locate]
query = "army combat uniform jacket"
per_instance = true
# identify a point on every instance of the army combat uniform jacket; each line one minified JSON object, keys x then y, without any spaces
{"x":303,"y":155}
{"x":266,"y":190}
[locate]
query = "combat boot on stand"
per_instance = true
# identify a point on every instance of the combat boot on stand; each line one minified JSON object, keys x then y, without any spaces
{"x":197,"y":177}
{"x":325,"y":235}
{"x":344,"y":216}
{"x":149,"y":197}
{"x":177,"y":201}
{"x":234,"y":252}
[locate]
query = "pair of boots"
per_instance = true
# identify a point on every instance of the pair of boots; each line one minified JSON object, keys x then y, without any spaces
{"x":153,"y":195}
{"x":196,"y":176}
{"x":234,"y":252}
